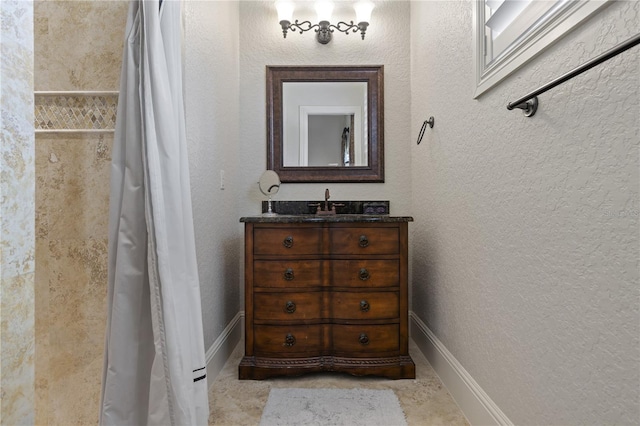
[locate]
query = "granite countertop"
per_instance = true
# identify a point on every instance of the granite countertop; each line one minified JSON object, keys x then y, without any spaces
{"x":347,"y":212}
{"x":338,"y":218}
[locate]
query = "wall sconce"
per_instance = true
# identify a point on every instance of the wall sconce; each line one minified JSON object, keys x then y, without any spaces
{"x":324,"y":28}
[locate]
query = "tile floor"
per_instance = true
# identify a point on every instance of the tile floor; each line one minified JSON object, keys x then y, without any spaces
{"x":425,"y":400}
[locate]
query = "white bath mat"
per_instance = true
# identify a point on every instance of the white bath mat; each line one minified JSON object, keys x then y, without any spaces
{"x":321,"y":407}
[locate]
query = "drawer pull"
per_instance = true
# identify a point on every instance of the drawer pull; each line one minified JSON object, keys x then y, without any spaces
{"x":364,"y":306}
{"x":288,"y":274}
{"x":288,"y":242}
{"x":289,"y":340}
{"x":364,"y":274}
{"x":363,"y":339}
{"x":364,"y":241}
{"x":290,"y":307}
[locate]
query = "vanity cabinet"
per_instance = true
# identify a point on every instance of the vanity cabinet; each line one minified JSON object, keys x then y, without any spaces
{"x":326,"y":295}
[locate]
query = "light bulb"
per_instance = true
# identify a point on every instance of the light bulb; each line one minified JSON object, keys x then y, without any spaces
{"x":324,"y":9}
{"x":363,"y":11}
{"x":285,"y":10}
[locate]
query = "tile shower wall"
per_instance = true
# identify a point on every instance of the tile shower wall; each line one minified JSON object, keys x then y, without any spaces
{"x":72,"y":198}
{"x":17,"y":265}
{"x":73,"y":154}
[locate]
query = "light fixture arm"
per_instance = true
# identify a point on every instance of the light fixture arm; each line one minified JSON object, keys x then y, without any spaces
{"x":301,"y":26}
{"x":351,"y":27}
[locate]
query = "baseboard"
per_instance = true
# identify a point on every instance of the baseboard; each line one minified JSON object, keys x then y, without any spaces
{"x":223,"y":346}
{"x":476,"y":405}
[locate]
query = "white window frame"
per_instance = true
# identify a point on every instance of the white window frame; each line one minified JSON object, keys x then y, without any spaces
{"x":529,"y":44}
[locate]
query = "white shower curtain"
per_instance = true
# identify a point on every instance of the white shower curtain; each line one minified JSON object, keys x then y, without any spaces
{"x":154,"y":365}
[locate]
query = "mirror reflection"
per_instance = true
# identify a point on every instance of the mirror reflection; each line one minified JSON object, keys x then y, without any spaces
{"x":324,"y":124}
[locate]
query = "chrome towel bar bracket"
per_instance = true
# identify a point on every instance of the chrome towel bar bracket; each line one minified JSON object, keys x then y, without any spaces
{"x":528,"y":108}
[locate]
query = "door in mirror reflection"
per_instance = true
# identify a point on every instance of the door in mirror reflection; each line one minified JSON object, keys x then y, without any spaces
{"x":331,"y":142}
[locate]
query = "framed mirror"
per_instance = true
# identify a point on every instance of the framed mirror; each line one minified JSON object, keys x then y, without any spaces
{"x":326,"y":123}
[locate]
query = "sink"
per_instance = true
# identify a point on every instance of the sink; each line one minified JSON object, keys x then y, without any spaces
{"x":343,"y":208}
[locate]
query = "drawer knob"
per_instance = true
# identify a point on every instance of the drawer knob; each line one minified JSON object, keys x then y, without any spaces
{"x":288,"y":274}
{"x":290,"y":307}
{"x":289,"y":340}
{"x":364,"y":306}
{"x":364,"y":274}
{"x":363,"y":339}
{"x":364,"y":241}
{"x":288,"y":241}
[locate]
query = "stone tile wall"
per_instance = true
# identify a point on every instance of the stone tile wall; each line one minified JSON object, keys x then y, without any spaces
{"x":72,"y":205}
{"x":78,"y":51}
{"x":17,"y":241}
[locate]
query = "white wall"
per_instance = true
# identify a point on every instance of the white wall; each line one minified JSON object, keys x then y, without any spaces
{"x":262,"y":44}
{"x":228,"y":42}
{"x":211,"y":76}
{"x":525,"y":246}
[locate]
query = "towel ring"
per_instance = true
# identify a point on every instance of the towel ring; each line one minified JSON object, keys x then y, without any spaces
{"x":431,"y":121}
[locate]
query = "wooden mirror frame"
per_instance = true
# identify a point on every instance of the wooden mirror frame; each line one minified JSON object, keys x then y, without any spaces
{"x":373,"y":75}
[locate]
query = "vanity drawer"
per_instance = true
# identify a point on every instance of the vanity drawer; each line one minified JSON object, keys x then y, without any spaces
{"x":365,"y":305}
{"x":285,"y":273}
{"x":365,"y":240}
{"x":365,"y":273}
{"x":287,"y":340}
{"x":287,"y":306}
{"x":365,"y":340}
{"x":287,"y":241}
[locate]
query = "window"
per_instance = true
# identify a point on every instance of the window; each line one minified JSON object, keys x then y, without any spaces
{"x":508,"y":33}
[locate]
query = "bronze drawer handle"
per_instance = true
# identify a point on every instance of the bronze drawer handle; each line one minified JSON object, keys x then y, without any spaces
{"x":290,"y":307}
{"x":364,"y":274}
{"x":288,"y":274}
{"x":364,"y":306}
{"x":289,"y":340}
{"x":363,"y":339}
{"x":364,"y":241}
{"x":288,"y":242}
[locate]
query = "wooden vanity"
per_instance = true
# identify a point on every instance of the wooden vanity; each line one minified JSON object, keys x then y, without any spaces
{"x":326,"y":294}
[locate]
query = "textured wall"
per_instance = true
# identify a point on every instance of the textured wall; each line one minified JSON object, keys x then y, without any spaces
{"x":17,"y":214}
{"x":226,"y":127}
{"x":78,"y":47}
{"x":213,"y":118}
{"x":262,"y":44}
{"x":525,"y":246}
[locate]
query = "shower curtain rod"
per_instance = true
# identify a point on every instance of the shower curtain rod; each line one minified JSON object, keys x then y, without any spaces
{"x":529,"y":103}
